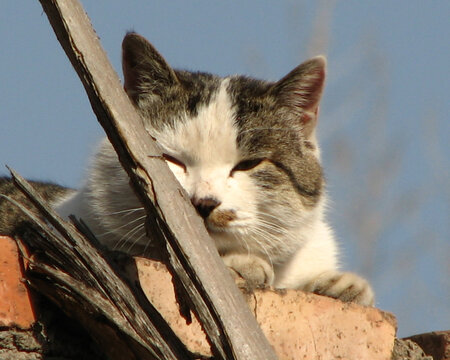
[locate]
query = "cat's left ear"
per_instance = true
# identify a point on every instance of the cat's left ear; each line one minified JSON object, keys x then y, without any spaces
{"x":145,"y":70}
{"x":300,"y":92}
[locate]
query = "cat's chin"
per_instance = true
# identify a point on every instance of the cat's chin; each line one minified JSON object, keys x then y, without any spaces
{"x":228,"y":237}
{"x":226,"y":241}
{"x":213,"y":229}
{"x":229,"y":229}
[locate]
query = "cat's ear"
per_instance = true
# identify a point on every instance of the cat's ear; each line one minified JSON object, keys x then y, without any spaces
{"x":145,"y":70}
{"x":300,"y":92}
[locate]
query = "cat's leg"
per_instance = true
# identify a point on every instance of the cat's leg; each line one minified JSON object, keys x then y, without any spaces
{"x":315,"y":268}
{"x":345,"y":286}
{"x":254,"y":270}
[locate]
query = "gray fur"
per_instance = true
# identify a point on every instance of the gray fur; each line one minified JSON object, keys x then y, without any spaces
{"x":10,"y":215}
{"x":160,"y":93}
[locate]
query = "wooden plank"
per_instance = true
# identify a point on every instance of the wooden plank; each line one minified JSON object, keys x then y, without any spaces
{"x":229,"y":324}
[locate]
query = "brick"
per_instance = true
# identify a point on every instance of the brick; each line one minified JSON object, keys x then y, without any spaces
{"x":15,"y":305}
{"x":298,"y":325}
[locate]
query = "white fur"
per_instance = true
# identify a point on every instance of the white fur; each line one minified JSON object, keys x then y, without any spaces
{"x":299,"y":248}
{"x":206,"y":144}
{"x":317,"y":255}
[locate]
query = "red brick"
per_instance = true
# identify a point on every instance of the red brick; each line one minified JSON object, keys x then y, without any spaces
{"x":15,"y":304}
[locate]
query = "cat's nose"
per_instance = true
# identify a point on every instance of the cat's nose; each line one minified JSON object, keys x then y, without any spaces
{"x":205,"y":206}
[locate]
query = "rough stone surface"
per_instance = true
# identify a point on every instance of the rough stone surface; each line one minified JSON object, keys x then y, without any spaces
{"x":15,"y":305}
{"x":19,"y":344}
{"x":408,"y":350}
{"x":436,"y":344}
{"x":308,"y":327}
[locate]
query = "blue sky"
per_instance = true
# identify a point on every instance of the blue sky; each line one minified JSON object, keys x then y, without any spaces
{"x":386,"y":102}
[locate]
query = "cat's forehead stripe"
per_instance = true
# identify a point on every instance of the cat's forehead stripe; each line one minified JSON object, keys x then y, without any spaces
{"x":200,"y":88}
{"x":209,"y":136}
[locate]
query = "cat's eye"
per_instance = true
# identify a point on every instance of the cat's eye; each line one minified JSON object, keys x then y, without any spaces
{"x":246,"y":165}
{"x":174,"y":161}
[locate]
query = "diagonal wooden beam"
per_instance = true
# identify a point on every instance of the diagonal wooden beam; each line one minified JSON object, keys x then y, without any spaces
{"x":193,"y":259}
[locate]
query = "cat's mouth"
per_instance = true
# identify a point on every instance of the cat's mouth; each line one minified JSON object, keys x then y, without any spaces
{"x":219,"y":220}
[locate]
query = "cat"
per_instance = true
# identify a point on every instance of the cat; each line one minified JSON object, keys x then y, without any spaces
{"x":246,"y":152}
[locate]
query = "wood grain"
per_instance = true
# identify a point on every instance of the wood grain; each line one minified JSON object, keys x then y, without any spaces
{"x":172,"y":221}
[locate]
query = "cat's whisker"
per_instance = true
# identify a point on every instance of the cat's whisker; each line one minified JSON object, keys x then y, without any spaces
{"x":136,"y":241}
{"x":264,"y":237}
{"x":243,"y":239}
{"x":122,"y":226}
{"x":274,"y":228}
{"x":127,"y":236}
{"x":126,"y":211}
{"x":285,"y":224}
{"x":260,"y":215}
{"x":267,"y":230}
{"x":263,"y":247}
{"x":146,"y":244}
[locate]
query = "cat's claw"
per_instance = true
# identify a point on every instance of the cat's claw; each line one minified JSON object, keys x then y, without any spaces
{"x":345,"y":286}
{"x":253,"y":270}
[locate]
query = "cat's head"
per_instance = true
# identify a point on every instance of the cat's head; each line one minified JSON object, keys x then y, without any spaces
{"x":245,"y":150}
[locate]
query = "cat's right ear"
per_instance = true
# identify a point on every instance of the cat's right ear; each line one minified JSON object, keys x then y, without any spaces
{"x":300,"y":92}
{"x":145,"y":70}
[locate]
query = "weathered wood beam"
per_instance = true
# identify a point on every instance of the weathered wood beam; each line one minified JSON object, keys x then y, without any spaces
{"x":193,"y":258}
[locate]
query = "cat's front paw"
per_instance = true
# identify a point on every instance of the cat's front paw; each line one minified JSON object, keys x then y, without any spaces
{"x":344,"y":286}
{"x":254,"y":270}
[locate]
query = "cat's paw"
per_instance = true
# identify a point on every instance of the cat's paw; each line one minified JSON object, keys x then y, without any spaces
{"x":344,"y":286}
{"x":254,"y":270}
